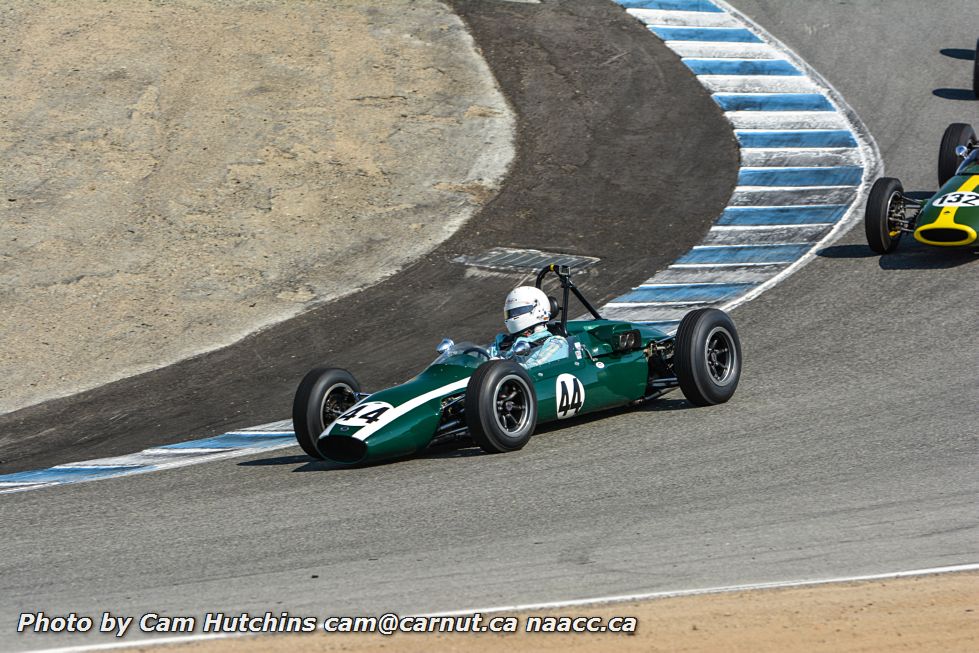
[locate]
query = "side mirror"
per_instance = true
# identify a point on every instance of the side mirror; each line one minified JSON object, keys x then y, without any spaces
{"x":445,"y":345}
{"x":521,"y":348}
{"x":961,"y":151}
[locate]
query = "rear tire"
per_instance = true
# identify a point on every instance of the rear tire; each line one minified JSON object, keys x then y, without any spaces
{"x":958,"y":133}
{"x":501,"y":406}
{"x":323,"y":395}
{"x":707,"y":357}
{"x":876,"y":218}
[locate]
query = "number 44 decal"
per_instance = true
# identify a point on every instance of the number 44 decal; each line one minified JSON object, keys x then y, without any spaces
{"x":569,"y":394}
{"x":364,"y":414}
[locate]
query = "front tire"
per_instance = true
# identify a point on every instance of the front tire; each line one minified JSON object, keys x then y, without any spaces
{"x":882,"y":204}
{"x":323,"y":395}
{"x":501,"y":406}
{"x":958,"y":133}
{"x":707,"y":357}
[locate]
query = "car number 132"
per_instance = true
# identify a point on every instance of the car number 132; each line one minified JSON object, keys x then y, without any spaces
{"x":958,"y":199}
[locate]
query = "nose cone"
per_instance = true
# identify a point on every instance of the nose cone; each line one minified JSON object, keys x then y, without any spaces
{"x":405,"y":435}
{"x":946,"y":235}
{"x":395,"y":422}
{"x":343,"y":448}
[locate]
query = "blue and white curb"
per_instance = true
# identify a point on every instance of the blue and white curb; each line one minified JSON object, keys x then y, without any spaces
{"x":256,"y":439}
{"x":807,"y":163}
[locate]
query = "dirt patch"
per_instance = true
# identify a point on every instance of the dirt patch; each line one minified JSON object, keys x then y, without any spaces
{"x":929,"y":613}
{"x":176,"y":175}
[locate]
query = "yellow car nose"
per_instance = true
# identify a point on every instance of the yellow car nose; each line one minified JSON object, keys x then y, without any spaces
{"x":946,"y":235}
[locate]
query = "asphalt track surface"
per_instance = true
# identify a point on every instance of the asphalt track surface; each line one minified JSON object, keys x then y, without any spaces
{"x":850,"y":448}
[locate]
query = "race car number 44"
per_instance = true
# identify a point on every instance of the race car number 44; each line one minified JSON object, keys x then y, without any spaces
{"x":958,"y":199}
{"x":570,"y":395}
{"x":364,"y":414}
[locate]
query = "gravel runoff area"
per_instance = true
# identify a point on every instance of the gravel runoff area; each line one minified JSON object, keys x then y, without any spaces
{"x":922,"y":613}
{"x":177,"y":174}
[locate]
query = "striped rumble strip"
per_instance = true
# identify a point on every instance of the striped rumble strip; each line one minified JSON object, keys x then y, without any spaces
{"x":806,"y":163}
{"x":256,"y":439}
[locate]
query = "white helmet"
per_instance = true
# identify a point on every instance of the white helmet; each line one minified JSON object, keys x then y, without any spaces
{"x":525,"y":307}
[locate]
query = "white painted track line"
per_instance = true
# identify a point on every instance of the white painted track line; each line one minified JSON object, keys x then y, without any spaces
{"x":569,"y":603}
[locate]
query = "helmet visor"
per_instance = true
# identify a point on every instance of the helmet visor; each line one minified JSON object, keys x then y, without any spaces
{"x":520,"y":310}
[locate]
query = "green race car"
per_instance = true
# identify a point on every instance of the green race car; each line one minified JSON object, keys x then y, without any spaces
{"x":950,"y":218}
{"x":467,"y":393}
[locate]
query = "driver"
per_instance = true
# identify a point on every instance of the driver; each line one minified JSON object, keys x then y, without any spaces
{"x":525,"y":314}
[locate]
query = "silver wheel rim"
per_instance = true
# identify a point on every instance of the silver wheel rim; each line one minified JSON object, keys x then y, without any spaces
{"x":511,"y":401}
{"x":890,"y":214}
{"x":721,"y":355}
{"x":335,"y":402}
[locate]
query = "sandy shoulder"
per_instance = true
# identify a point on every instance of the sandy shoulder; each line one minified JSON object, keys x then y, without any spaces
{"x":178,"y":174}
{"x":926,"y":613}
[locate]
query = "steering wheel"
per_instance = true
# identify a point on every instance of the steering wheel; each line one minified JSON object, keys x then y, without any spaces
{"x":478,"y":350}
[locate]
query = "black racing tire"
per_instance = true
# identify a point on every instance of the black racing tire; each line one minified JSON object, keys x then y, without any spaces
{"x":975,"y":72}
{"x":707,"y":356}
{"x":323,"y":394}
{"x":876,"y":223}
{"x":958,"y":133}
{"x":498,"y":394}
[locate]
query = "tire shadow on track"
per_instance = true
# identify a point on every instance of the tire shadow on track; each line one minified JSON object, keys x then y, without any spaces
{"x":910,"y":256}
{"x":963,"y":94}
{"x":959,"y":53}
{"x":461,"y":449}
{"x":307,"y":464}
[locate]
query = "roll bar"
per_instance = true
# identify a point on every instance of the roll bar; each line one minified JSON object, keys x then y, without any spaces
{"x":563,"y":273}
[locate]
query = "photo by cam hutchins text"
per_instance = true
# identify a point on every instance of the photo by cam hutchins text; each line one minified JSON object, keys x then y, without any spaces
{"x":387,"y":624}
{"x":152,"y":622}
